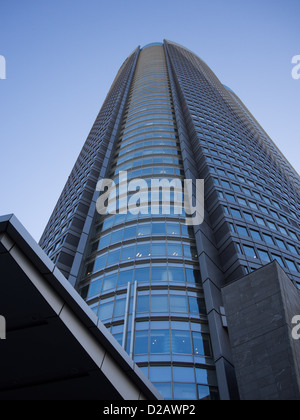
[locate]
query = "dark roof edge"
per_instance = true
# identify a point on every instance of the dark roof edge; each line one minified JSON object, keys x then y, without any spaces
{"x":10,"y":225}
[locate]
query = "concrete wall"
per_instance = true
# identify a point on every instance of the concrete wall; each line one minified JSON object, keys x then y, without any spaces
{"x":259,"y":310}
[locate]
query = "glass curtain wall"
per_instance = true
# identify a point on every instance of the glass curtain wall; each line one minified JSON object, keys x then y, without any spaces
{"x":142,"y":276}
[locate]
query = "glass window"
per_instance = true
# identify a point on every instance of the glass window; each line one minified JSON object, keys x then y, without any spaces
{"x":176,"y":274}
{"x":225,"y":184}
{"x":159,"y":303}
{"x":178,"y":303}
{"x":104,"y":242}
{"x":293,"y":249}
{"x":230,"y":197}
{"x":203,"y":393}
{"x":183,"y":374}
{"x":119,"y":338}
{"x":160,"y":373}
{"x":246,"y":191}
{"x":264,"y":209}
{"x":201,"y":344}
{"x":184,"y":391}
{"x":108,"y":223}
{"x":242,"y":230}
{"x":242,"y":201}
{"x":253,"y":205}
{"x":143,"y":250}
{"x":282,"y":230}
{"x":130,"y":232}
{"x":160,"y":341}
{"x":142,"y":274}
{"x":117,"y":236}
{"x":260,"y":221}
{"x":248,"y":217}
{"x":293,"y":235}
{"x":158,"y":229}
{"x":174,"y":250}
{"x":291,"y":265}
{"x":281,"y":244}
{"x":255,"y":234}
{"x":190,"y":252}
{"x":236,"y":187}
{"x":269,"y":240}
{"x":95,"y":287}
{"x":141,"y":342}
{"x":165,"y":389}
{"x":249,"y":251}
{"x":158,"y":248}
{"x":202,"y":376}
{"x":278,"y":259}
{"x":236,"y":213}
{"x":128,"y":253}
{"x":105,"y":311}
{"x":272,"y":225}
{"x":142,"y":304}
{"x":120,"y":307}
{"x":197,"y":305}
{"x":113,"y":257}
{"x":173,"y":229}
{"x":159,"y":274}
{"x":144,"y":230}
{"x":181,"y":342}
{"x":193,"y":276}
{"x":187,"y":231}
{"x":125,"y":277}
{"x":264,"y":256}
{"x":110,"y":282}
{"x":100,"y":263}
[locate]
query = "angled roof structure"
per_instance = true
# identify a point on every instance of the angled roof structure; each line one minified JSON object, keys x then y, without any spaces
{"x":55,"y":346}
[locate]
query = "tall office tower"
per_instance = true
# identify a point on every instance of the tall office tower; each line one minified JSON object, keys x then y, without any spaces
{"x":152,"y":280}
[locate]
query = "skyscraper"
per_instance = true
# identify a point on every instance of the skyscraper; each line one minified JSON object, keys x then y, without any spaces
{"x":152,"y":280}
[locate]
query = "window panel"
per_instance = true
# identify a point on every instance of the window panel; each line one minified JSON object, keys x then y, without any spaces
{"x":105,"y":311}
{"x":158,"y":249}
{"x":178,"y":303}
{"x":159,"y":274}
{"x":176,"y":274}
{"x":159,"y":303}
{"x":193,"y":276}
{"x":249,"y":251}
{"x":184,"y":391}
{"x":160,"y":373}
{"x":174,"y":250}
{"x":165,"y":389}
{"x":100,"y":263}
{"x":143,"y":304}
{"x":264,"y":256}
{"x":110,"y":282}
{"x":183,"y":374}
{"x":95,"y":287}
{"x":181,"y":342}
{"x":128,"y":253}
{"x":125,"y":277}
{"x":120,"y":307}
{"x":142,"y":274}
{"x":160,"y":341}
{"x":113,"y":257}
{"x":141,"y":342}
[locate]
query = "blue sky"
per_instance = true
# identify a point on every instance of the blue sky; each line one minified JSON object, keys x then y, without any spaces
{"x":62,"y":56}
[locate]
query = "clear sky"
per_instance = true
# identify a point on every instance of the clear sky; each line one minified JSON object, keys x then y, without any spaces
{"x":62,"y":56}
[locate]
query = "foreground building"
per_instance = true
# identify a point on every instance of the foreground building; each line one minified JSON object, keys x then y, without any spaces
{"x":153,"y":281}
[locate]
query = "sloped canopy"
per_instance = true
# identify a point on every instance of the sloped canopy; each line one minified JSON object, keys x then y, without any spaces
{"x":55,"y":347}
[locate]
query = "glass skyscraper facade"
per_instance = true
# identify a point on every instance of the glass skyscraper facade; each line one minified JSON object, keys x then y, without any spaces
{"x":152,"y":280}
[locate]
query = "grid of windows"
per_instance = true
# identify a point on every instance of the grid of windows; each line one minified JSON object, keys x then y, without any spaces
{"x":258,"y":188}
{"x":142,"y":274}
